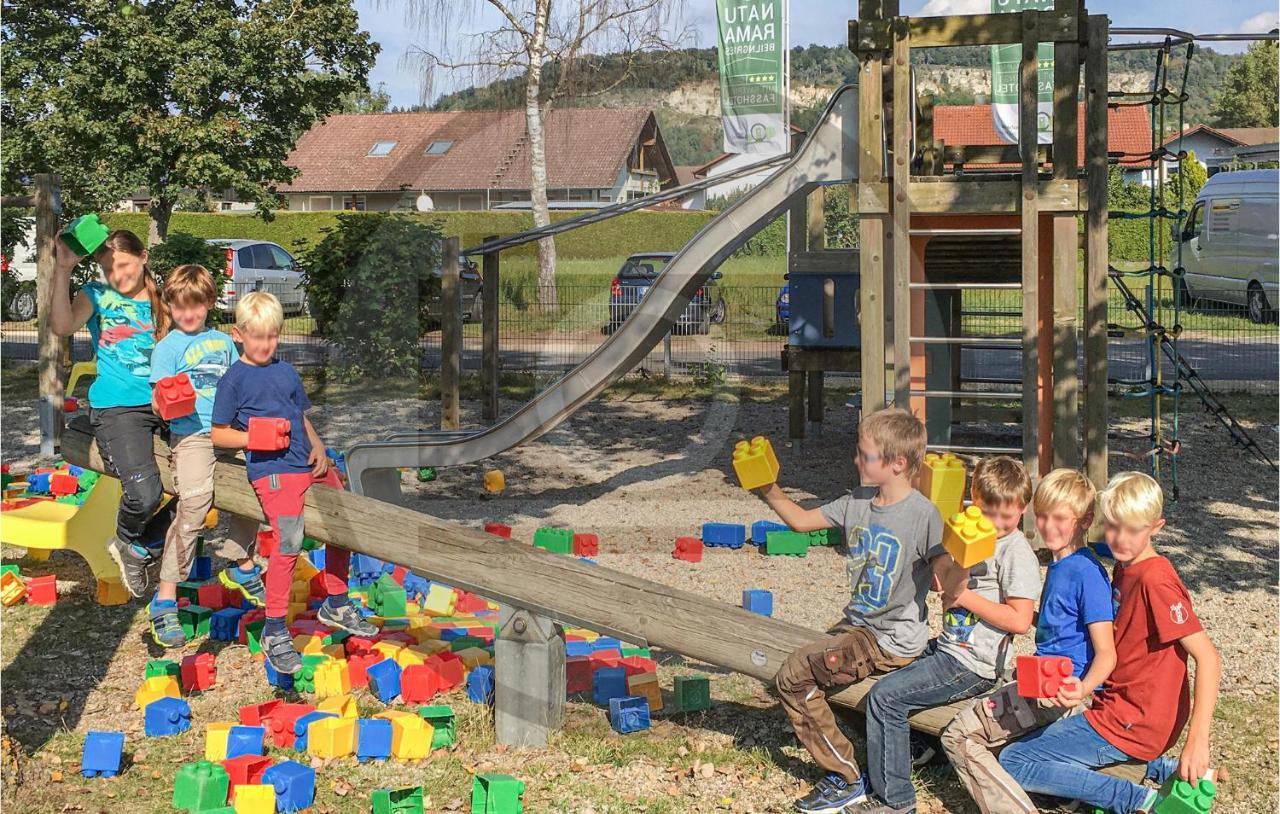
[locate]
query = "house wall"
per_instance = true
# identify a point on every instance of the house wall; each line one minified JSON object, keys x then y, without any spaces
{"x":443,"y":200}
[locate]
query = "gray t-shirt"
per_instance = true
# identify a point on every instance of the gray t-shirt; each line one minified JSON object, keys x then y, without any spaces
{"x":1013,"y":571}
{"x":889,"y":572}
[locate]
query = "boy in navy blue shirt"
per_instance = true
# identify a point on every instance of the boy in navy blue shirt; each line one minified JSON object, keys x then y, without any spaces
{"x":1076,"y":621}
{"x":259,"y":385}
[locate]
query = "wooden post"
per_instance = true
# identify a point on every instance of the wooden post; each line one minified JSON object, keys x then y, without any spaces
{"x":450,"y":337}
{"x":817,"y":403}
{"x":490,"y":289}
{"x":872,"y":206}
{"x":816,"y":239}
{"x":1066,"y":111}
{"x":795,"y":404}
{"x":1028,"y":137}
{"x":903,"y":108}
{"x":50,"y":345}
{"x":1095,"y":339}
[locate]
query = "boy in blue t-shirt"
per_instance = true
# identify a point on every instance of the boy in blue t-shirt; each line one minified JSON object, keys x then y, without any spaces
{"x":1076,"y":620}
{"x":204,"y":354}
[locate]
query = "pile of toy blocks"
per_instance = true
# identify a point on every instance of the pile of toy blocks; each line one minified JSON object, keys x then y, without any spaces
{"x":62,"y":483}
{"x":35,"y":590}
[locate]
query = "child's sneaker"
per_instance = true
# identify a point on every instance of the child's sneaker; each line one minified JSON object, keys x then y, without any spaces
{"x":280,"y":652}
{"x":165,"y":627}
{"x":132,"y":565}
{"x":345,"y":617}
{"x":874,"y":805}
{"x":831,"y":794}
{"x":245,"y":583}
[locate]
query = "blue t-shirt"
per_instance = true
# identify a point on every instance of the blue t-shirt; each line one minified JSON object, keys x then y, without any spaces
{"x":205,"y":358}
{"x":123,"y":335}
{"x":1076,"y":594}
{"x":273,"y":390}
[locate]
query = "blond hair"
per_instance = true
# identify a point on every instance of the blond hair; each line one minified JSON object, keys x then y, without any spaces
{"x":259,"y":312}
{"x":1065,"y":487}
{"x":1131,"y":499}
{"x":896,"y":433}
{"x":1002,"y":480}
{"x":190,"y":284}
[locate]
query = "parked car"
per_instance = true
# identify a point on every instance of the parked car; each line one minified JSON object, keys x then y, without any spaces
{"x":260,"y":265}
{"x":782,"y":311}
{"x":19,"y":275}
{"x":469,"y":288}
{"x":635,"y":278}
{"x":1230,"y":242}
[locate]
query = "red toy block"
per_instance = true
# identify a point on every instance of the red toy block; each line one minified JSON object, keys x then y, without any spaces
{"x":469,"y":603}
{"x":199,"y":672}
{"x":398,"y":636}
{"x":1041,"y":676}
{"x":247,"y":618}
{"x":266,"y":543}
{"x":245,"y":770}
{"x":175,"y":397}
{"x":485,"y":633}
{"x":500,"y":529}
{"x":70,"y":404}
{"x":449,"y":669}
{"x":634,"y":665}
{"x":255,"y":714}
{"x":358,"y":665}
{"x":268,"y":434}
{"x":212,"y":595}
{"x":577,"y":673}
{"x":319,"y":590}
{"x":586,"y":545}
{"x":357,"y":645}
{"x":42,"y":590}
{"x":280,"y":722}
{"x":688,"y":549}
{"x":63,"y":484}
{"x":605,"y":658}
{"x":418,"y":683}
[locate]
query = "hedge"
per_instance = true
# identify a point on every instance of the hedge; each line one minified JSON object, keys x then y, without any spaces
{"x":1130,"y":239}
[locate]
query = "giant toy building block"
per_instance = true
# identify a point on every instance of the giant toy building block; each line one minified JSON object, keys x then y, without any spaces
{"x":577,"y":672}
{"x":175,"y":397}
{"x":444,"y":730}
{"x":302,"y":726}
{"x":102,"y":753}
{"x":724,"y":535}
{"x":42,"y":590}
{"x":629,"y":714}
{"x":1177,"y":796}
{"x":418,"y":683}
{"x":398,"y":801}
{"x":755,"y":463}
{"x":942,"y":481}
{"x":200,"y":786}
{"x":373,"y":739}
{"x":254,"y":799}
{"x":646,"y":684}
{"x":12,"y":589}
{"x":496,"y":794}
{"x":268,"y":434}
{"x":280,"y":722}
{"x":790,"y":543}
{"x":166,"y":716}
{"x":245,"y":770}
{"x":332,"y":737}
{"x":608,"y":683}
{"x":156,"y":687}
{"x":384,"y":680}
{"x":246,"y":740}
{"x":758,"y":600}
{"x":410,"y":737}
{"x":84,"y":235}
{"x":688,"y":549}
{"x":294,"y":783}
{"x":195,"y":620}
{"x":494,"y":481}
{"x":1042,"y":676}
{"x":500,"y":529}
{"x":693,"y":693}
{"x":586,"y":544}
{"x":969,"y":537}
{"x":198,"y":672}
{"x":215,"y":739}
{"x":557,"y":541}
{"x":480,"y":685}
{"x":256,"y":714}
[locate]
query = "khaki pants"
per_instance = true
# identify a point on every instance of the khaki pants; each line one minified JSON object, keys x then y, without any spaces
{"x":192,"y":458}
{"x":848,"y":655}
{"x":973,"y":738}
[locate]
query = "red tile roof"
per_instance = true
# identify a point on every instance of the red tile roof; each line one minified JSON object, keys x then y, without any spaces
{"x":1128,"y":130}
{"x":1234,"y":136}
{"x":586,"y":147}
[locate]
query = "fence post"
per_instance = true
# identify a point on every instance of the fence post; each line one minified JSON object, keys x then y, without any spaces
{"x":450,"y":337}
{"x":489,"y":287}
{"x":666,"y":356}
{"x":50,"y":346}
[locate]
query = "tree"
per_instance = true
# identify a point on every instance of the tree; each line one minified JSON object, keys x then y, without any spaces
{"x":1193,"y":175}
{"x":115,"y":95}
{"x":1248,"y":97}
{"x":363,"y":100}
{"x":532,"y":34}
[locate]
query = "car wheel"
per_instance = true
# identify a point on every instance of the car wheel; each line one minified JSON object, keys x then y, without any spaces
{"x":1258,"y":308}
{"x":1182,"y":294}
{"x":22,"y":308}
{"x":704,"y":325}
{"x":719,"y":312}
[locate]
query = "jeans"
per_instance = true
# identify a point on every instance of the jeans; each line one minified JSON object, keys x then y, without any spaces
{"x":124,"y":436}
{"x":934,"y":678}
{"x":1059,"y":760}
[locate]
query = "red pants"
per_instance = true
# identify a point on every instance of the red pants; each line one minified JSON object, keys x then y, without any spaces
{"x":281,"y":497}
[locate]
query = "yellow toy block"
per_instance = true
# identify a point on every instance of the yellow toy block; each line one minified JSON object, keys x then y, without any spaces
{"x":299,"y":592}
{"x":12,"y":589}
{"x":331,"y":737}
{"x":335,"y":651}
{"x":211,"y":519}
{"x":415,"y":654}
{"x":410,"y":737}
{"x":344,"y":706}
{"x":332,"y":679}
{"x":309,"y":644}
{"x":254,"y":799}
{"x":440,"y":601}
{"x":293,"y":610}
{"x":392,"y":714}
{"x":587,"y":635}
{"x":388,"y":649}
{"x":969,"y":537}
{"x":304,"y":571}
{"x":112,"y":592}
{"x":494,"y":481}
{"x":473,"y":657}
{"x":215,"y":740}
{"x":942,"y":481}
{"x":646,"y":684}
{"x":155,"y":688}
{"x":755,"y":463}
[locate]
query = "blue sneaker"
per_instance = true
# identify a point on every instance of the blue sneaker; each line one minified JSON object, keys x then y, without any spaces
{"x":246,"y":583}
{"x":831,"y":794}
{"x":165,"y":627}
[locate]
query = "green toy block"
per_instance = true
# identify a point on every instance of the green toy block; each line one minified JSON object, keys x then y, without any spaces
{"x":1177,"y":796}
{"x":557,"y":541}
{"x":693,"y":693}
{"x":195,"y":620}
{"x":394,"y":623}
{"x":636,"y":651}
{"x":464,"y":642}
{"x":189,"y":590}
{"x":305,"y":679}
{"x":496,"y":794}
{"x":85,"y":235}
{"x":337,"y":637}
{"x":426,"y":474}
{"x":398,"y":801}
{"x":253,"y":635}
{"x":444,"y":725}
{"x":200,"y":786}
{"x":388,"y":597}
{"x":6,"y":479}
{"x":69,"y":500}
{"x":829,"y":536}
{"x":163,"y":667}
{"x":10,"y":568}
{"x":311,"y":543}
{"x":793,"y":543}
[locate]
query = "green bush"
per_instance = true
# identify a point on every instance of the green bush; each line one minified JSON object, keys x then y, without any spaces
{"x":181,"y":248}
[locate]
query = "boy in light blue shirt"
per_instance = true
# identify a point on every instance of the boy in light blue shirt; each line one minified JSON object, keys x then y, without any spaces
{"x":204,"y":354}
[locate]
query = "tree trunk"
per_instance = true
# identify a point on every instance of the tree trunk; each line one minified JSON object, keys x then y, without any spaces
{"x":538,"y":157}
{"x":161,"y":210}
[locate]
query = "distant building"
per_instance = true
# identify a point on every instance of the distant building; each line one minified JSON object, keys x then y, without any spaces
{"x":1223,"y":148}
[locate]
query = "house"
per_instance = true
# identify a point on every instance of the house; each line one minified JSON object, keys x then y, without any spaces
{"x":475,"y":159}
{"x":727,"y":162}
{"x":1224,"y":148}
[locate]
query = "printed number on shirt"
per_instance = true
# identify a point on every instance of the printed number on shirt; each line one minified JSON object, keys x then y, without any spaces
{"x":878,"y":548}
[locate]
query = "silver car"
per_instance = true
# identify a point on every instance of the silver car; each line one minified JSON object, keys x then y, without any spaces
{"x":260,"y":265}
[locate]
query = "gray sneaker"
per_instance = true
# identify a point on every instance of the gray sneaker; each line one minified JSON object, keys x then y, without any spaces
{"x":346,"y":618}
{"x":133,"y":566}
{"x":279,"y":650}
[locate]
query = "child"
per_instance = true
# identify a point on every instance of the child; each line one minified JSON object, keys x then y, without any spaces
{"x":892,"y":537}
{"x":204,"y":354}
{"x":125,"y":317}
{"x":994,"y":601}
{"x":261,"y":385}
{"x":1142,"y":707}
{"x":1075,"y":621}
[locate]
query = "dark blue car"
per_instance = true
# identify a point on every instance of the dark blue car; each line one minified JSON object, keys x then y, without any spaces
{"x":636,"y":276}
{"x":782,"y":310}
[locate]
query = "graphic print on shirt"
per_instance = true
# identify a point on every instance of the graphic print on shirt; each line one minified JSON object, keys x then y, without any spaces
{"x":207,"y":361}
{"x":873,"y":566}
{"x":958,"y":623}
{"x":123,"y":334}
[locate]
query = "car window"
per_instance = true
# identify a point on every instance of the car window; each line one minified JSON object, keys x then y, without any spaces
{"x":245,"y":257}
{"x":643,"y":268}
{"x":281,"y":258}
{"x":1195,"y":221}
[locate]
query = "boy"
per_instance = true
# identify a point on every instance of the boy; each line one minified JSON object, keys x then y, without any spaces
{"x":1143,"y":706}
{"x":982,"y":611}
{"x":261,"y":385}
{"x":1075,"y":621}
{"x":891,"y":537}
{"x":204,"y":354}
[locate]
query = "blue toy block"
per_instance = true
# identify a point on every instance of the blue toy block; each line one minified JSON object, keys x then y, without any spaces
{"x":74,"y":471}
{"x":201,"y":569}
{"x":451,"y":633}
{"x":577,"y":648}
{"x":366,"y":567}
{"x":629,"y":714}
{"x":608,"y":683}
{"x":606,"y":643}
{"x":281,"y":681}
{"x":224,"y":624}
{"x":102,"y":754}
{"x":166,"y":716}
{"x":294,"y":783}
{"x":339,"y":460}
{"x":761,"y":528}
{"x":758,"y":600}
{"x":415,"y":586}
{"x":300,"y":728}
{"x":480,"y":684}
{"x":724,"y":535}
{"x":316,"y":555}
{"x":246,"y":740}
{"x":384,"y":680}
{"x":587,"y":560}
{"x":373,"y":739}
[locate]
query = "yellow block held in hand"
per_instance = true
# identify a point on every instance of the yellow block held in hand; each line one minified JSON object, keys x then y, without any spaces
{"x":942,"y":481}
{"x":755,"y":463}
{"x":969,"y":537}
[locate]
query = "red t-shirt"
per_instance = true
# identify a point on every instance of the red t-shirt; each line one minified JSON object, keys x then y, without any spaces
{"x":1143,"y":706}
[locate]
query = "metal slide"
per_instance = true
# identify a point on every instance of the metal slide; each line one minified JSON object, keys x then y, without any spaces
{"x":829,"y":155}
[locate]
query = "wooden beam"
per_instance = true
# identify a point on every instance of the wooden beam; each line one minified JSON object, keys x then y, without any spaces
{"x":1066,"y":110}
{"x":871,"y":221}
{"x":490,"y":285}
{"x":991,"y":29}
{"x":49,"y":350}
{"x":19,"y":201}
{"x":1095,"y":318}
{"x":901,"y":277}
{"x":816,"y":221}
{"x":796,"y":380}
{"x":957,"y":195}
{"x":991,"y":154}
{"x":450,"y":337}
{"x":1027,"y":139}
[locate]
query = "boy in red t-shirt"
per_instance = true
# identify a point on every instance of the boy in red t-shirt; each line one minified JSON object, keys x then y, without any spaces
{"x":1141,"y":709}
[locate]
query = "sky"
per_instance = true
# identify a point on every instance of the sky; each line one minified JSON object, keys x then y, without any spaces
{"x":821,"y":22}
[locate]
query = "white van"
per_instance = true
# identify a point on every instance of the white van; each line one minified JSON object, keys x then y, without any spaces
{"x":1230,"y":242}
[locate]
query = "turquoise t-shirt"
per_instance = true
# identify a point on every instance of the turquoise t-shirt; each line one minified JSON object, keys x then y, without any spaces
{"x":123,"y":334}
{"x":204,"y":357}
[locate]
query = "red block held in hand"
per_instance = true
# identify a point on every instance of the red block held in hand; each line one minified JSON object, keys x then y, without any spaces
{"x":1042,"y":676}
{"x":688,"y":549}
{"x":268,"y":434}
{"x":175,"y":397}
